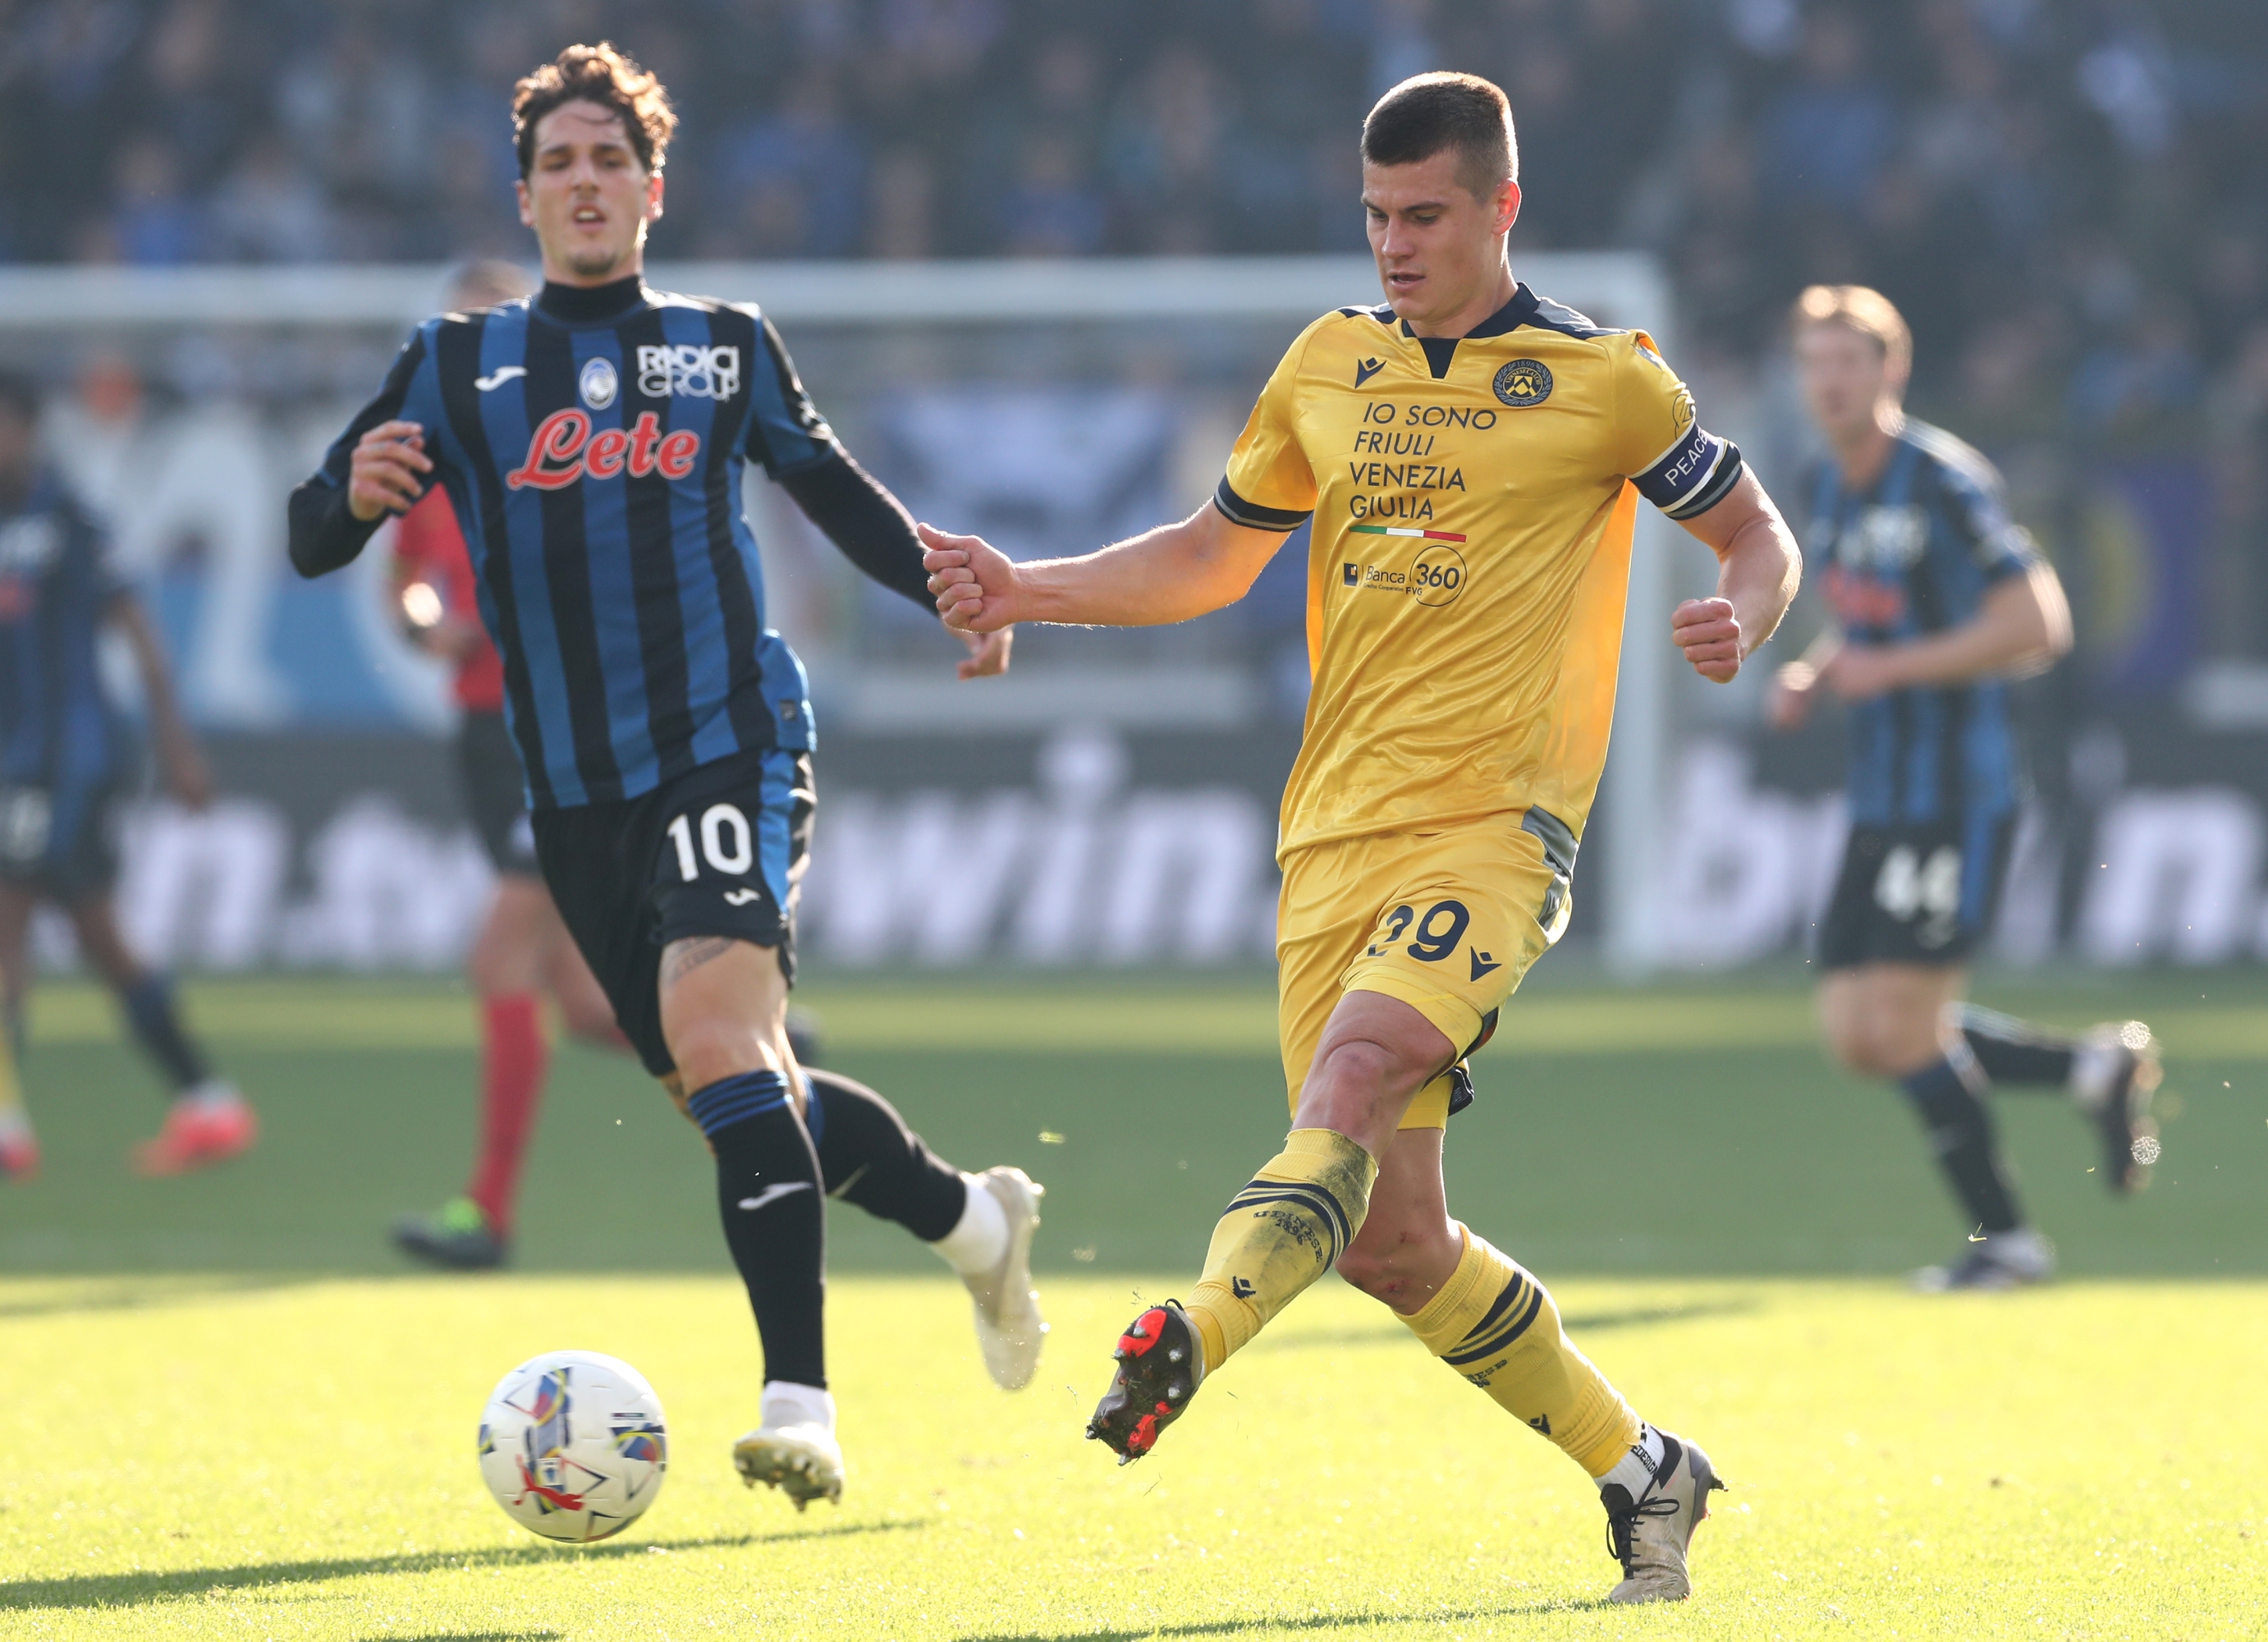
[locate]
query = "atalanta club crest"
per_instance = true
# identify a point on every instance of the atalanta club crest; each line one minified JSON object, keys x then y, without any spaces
{"x":1522,"y":383}
{"x":600,"y":382}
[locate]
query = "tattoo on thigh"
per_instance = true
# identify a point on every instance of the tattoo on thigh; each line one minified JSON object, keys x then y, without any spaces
{"x":683,"y":957}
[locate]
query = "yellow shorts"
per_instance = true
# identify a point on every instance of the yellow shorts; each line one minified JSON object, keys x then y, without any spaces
{"x":1448,"y":922}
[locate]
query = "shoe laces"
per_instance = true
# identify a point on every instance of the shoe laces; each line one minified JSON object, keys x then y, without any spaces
{"x":1623,"y":1521}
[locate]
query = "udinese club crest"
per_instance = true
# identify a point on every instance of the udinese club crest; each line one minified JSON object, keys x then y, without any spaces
{"x":1522,"y":383}
{"x":600,"y":383}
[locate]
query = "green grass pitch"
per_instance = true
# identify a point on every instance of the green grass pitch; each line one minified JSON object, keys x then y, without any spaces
{"x":231,"y":1411}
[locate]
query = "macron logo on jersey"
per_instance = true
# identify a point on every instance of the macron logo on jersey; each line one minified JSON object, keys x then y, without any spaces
{"x":563,"y":449}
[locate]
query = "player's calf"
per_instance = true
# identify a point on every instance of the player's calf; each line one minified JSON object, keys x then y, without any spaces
{"x":980,"y":1225}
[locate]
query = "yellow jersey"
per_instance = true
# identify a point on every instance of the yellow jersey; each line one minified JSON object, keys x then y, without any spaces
{"x":1473,"y":501}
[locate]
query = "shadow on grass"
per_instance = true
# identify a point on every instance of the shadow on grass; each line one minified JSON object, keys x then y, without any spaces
{"x":1646,"y":1316}
{"x":1576,"y":1323}
{"x":141,"y":1294}
{"x":128,"y":1590}
{"x":1304,"y":1621}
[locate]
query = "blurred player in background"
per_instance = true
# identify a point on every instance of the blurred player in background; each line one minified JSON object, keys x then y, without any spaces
{"x":591,"y":443}
{"x":523,"y":950}
{"x":64,"y":760}
{"x":1472,"y":457}
{"x":1938,"y":599}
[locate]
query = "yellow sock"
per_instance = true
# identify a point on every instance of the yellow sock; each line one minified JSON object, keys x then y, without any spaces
{"x":1281,"y":1233}
{"x":1497,"y":1326}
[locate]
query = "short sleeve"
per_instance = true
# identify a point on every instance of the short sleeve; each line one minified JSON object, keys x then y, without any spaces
{"x":785,"y":430}
{"x":1270,"y":485}
{"x":1979,"y":508}
{"x":1659,"y":443}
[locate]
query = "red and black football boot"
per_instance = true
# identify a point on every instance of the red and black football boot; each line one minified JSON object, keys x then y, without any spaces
{"x":1158,"y":1366}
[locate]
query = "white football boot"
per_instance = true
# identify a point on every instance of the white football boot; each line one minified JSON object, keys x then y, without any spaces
{"x":2116,"y":1072}
{"x":794,"y":1450}
{"x":1995,"y":1264}
{"x":805,"y":1463}
{"x":1649,"y":1535}
{"x":1009,"y":1327}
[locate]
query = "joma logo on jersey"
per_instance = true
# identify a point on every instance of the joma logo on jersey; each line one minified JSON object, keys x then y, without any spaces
{"x":695,"y":372}
{"x":564,"y":449}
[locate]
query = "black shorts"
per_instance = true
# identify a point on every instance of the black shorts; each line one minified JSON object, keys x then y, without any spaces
{"x":1920,"y":894}
{"x":488,"y":767}
{"x":60,"y":844}
{"x":719,"y":850}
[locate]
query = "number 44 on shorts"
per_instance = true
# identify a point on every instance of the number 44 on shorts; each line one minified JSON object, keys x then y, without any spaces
{"x":1908,"y":887}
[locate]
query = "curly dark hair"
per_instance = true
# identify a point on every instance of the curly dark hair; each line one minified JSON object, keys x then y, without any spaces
{"x":595,"y":74}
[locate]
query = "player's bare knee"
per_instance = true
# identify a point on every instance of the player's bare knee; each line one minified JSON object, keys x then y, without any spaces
{"x":1353,"y":1080}
{"x":1388,"y":1267}
{"x":1371,"y":1271}
{"x":710,"y":1048}
{"x":1854,"y":1046}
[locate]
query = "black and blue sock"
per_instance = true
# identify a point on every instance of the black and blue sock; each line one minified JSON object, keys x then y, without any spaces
{"x":2012,"y":1051}
{"x":774,"y":1208}
{"x":869,"y":1157}
{"x":1961,"y":1131}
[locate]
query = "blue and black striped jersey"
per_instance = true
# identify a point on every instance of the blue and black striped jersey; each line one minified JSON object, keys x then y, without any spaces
{"x":594,"y":465}
{"x":1913,"y":555}
{"x":58,"y":732}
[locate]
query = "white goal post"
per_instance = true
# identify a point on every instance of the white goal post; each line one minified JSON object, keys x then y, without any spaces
{"x":122,"y":307}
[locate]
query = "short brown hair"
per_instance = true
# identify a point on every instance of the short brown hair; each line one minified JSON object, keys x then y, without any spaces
{"x":1859,"y":308}
{"x":1428,"y":113}
{"x":595,"y":74}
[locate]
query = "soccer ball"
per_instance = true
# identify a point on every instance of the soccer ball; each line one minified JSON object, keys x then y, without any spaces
{"x":572,"y":1445}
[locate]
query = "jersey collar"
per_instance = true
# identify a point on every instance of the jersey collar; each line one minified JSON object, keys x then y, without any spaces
{"x":585,"y":305}
{"x":1439,"y":351}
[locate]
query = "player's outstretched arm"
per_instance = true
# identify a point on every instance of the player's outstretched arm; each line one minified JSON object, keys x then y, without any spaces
{"x":1166,"y":575}
{"x":1758,"y":568}
{"x":871,"y":527}
{"x":2021,"y":625}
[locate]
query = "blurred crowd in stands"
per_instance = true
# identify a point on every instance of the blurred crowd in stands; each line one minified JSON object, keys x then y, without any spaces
{"x":2069,"y":197}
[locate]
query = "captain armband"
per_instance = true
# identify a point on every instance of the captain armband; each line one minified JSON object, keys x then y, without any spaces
{"x":1252,"y":516}
{"x":1692,"y":476}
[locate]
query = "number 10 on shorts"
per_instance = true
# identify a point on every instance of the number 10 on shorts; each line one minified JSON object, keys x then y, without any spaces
{"x":727,"y":841}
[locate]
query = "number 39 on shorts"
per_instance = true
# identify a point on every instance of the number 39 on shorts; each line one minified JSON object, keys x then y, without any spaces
{"x":1436,"y":935}
{"x":727,"y":841}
